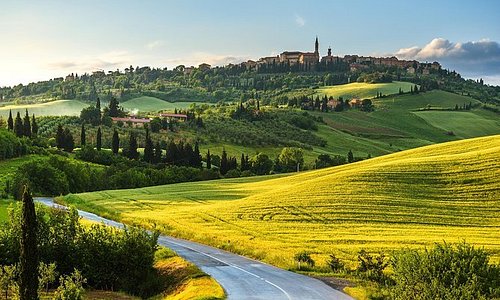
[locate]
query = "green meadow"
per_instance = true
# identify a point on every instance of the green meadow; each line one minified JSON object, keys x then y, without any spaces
{"x":363,"y":90}
{"x":53,"y":108}
{"x":152,"y":104}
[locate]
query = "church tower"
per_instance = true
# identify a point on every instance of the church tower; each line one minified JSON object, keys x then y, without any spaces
{"x":316,"y":46}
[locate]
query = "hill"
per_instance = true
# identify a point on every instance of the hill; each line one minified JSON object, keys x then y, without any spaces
{"x":363,"y":90}
{"x":413,"y":198}
{"x":152,"y":104}
{"x":53,"y":108}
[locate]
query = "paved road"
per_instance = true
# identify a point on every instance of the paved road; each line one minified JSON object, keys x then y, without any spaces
{"x":241,"y":277}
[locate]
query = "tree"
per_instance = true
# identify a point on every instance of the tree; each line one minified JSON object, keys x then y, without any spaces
{"x":224,"y":163}
{"x":91,"y":115}
{"x":115,"y":145}
{"x":209,"y":160}
{"x":350,"y":157}
{"x":290,"y":159}
{"x":10,"y":121}
{"x":98,"y":143}
{"x":196,"y":161}
{"x":34,"y":126}
{"x":60,"y":137}
{"x":82,"y":136}
{"x":47,"y":275}
{"x":28,"y":258}
{"x":261,"y":164}
{"x":27,"y":125}
{"x":68,"y":141}
{"x":114,"y":109}
{"x":148,"y":148}
{"x":18,"y":126}
{"x":98,"y":104}
{"x":132,"y":152}
{"x":157,"y":153}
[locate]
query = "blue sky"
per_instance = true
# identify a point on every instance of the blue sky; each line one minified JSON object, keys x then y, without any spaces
{"x":46,"y":39}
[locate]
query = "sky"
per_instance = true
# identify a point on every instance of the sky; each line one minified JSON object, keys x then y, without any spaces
{"x":40,"y":40}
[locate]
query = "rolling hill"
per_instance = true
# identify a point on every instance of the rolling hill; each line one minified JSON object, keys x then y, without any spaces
{"x":445,"y":192}
{"x":152,"y":104}
{"x":363,"y":90}
{"x":53,"y":108}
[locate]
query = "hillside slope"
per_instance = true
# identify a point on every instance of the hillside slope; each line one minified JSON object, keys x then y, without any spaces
{"x":446,"y":192}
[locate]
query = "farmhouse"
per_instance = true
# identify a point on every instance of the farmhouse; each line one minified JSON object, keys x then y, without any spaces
{"x":132,"y":122}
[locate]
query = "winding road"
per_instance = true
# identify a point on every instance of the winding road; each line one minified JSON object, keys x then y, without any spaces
{"x":242,"y":278}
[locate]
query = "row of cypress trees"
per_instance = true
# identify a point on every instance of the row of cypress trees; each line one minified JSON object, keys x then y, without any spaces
{"x":26,"y":126}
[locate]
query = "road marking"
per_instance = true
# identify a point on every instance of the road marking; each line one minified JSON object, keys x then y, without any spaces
{"x":234,"y":266}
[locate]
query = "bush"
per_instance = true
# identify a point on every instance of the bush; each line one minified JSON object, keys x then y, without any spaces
{"x":70,"y":287}
{"x":335,"y":264}
{"x":371,"y":267}
{"x":304,"y":257}
{"x":233,"y":174}
{"x":445,"y":272}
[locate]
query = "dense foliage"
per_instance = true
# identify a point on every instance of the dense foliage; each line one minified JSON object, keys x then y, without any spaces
{"x":108,"y":258}
{"x":12,"y":146}
{"x":445,"y":272}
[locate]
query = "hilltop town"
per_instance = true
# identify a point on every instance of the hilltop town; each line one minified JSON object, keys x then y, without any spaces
{"x":313,"y":61}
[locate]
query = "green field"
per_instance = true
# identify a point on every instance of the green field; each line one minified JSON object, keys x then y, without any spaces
{"x":363,"y":90}
{"x":446,"y":192}
{"x":53,"y":108}
{"x":396,"y":124}
{"x":152,"y":104}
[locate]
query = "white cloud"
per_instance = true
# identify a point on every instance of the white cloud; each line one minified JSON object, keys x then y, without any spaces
{"x":105,"y":61}
{"x":476,"y":58}
{"x":197,"y":58}
{"x":155,"y":44}
{"x":300,"y":21}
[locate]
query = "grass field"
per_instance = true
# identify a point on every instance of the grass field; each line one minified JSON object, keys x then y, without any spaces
{"x":396,"y":124}
{"x":53,"y":108}
{"x":363,"y":90}
{"x":446,"y":192}
{"x":152,"y":104}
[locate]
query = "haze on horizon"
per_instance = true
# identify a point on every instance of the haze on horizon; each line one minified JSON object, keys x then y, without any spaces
{"x":44,"y":40}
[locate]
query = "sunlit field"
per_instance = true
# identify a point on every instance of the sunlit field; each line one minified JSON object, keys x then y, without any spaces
{"x":446,"y":192}
{"x":53,"y":108}
{"x":364,"y":90}
{"x":152,"y":104}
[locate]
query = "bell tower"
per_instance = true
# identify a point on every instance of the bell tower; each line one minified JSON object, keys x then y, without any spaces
{"x":316,"y":46}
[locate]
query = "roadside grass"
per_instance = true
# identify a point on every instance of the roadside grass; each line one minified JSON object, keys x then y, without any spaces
{"x":4,"y":206}
{"x":53,"y":108}
{"x":363,"y":90}
{"x":186,"y":281}
{"x":153,"y":104}
{"x":446,"y":192}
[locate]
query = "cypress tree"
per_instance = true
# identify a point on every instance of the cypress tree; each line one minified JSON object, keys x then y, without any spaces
{"x":350,"y":156}
{"x":132,"y":147}
{"x":18,"y":126}
{"x":34,"y":126}
{"x":209,"y":160}
{"x":98,"y":104}
{"x":224,"y":163}
{"x":27,"y":125}
{"x":148,"y":148}
{"x":242,"y":162}
{"x":98,"y":143}
{"x":157,"y":153}
{"x":60,"y":137}
{"x":115,"y":145}
{"x":196,"y":156}
{"x":28,"y":259}
{"x":82,"y":136}
{"x":10,"y":121}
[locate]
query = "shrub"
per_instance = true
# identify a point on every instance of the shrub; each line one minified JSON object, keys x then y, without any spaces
{"x":372,"y":267}
{"x":335,"y":264}
{"x":233,"y":174}
{"x":304,"y":257}
{"x":445,"y":272}
{"x":70,"y":287}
